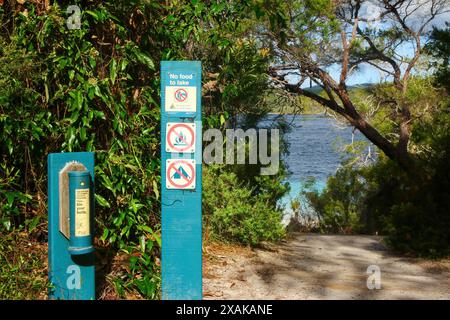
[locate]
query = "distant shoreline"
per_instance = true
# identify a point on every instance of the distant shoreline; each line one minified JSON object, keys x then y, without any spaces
{"x":298,"y":114}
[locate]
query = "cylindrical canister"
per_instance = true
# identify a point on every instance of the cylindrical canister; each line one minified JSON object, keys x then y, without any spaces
{"x":80,"y":212}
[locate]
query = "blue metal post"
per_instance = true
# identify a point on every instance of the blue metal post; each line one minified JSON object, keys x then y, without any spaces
{"x":182,"y":201}
{"x":71,"y":276}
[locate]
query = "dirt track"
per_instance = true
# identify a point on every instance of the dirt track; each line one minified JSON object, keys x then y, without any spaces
{"x":320,"y":267}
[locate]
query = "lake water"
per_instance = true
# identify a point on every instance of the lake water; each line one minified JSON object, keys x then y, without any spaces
{"x":314,"y":141}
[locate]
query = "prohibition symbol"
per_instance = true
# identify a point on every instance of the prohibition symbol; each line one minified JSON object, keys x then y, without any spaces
{"x":181,"y":95}
{"x":180,"y":137}
{"x":180,"y":99}
{"x":180,"y":174}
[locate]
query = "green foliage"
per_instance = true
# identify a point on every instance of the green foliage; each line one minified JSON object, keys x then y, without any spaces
{"x":236,"y":84}
{"x":312,"y":24}
{"x":22,"y":267}
{"x":70,"y":90}
{"x":234,"y":211}
{"x":414,"y":214}
{"x":376,"y":103}
{"x":141,"y":274}
{"x":337,"y":206}
{"x":244,"y":79}
{"x":411,"y":211}
{"x":439,"y":49}
{"x":234,"y":96}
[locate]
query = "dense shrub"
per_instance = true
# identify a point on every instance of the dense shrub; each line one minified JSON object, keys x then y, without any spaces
{"x":337,"y":207}
{"x":234,"y":212}
{"x":61,"y":90}
{"x":413,"y":212}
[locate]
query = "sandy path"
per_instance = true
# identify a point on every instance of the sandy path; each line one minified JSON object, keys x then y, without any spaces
{"x":320,"y":267}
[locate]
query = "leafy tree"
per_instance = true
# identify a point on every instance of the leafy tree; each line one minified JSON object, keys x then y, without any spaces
{"x":319,"y":34}
{"x":412,"y":214}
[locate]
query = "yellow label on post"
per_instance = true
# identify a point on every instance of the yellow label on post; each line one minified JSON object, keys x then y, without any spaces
{"x":82,"y":227}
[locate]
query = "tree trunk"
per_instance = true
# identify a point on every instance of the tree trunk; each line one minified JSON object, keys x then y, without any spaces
{"x":397,"y":153}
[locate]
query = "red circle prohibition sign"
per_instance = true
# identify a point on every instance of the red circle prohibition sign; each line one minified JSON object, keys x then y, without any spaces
{"x":189,"y":144}
{"x":188,"y":181}
{"x":181,"y":95}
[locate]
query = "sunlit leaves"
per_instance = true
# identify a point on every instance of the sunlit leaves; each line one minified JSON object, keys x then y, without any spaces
{"x":84,"y":90}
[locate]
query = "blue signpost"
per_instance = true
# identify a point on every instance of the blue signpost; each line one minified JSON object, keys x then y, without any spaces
{"x":70,"y":225}
{"x":181,"y":175}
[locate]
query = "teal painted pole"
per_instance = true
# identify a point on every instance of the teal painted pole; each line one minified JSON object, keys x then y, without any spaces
{"x":70,"y":226}
{"x":181,"y":179}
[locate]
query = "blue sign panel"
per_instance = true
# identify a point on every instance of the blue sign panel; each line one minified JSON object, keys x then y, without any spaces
{"x":70,"y":226}
{"x":181,"y":184}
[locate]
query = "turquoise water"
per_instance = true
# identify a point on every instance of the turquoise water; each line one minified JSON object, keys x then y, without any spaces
{"x":314,"y":143}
